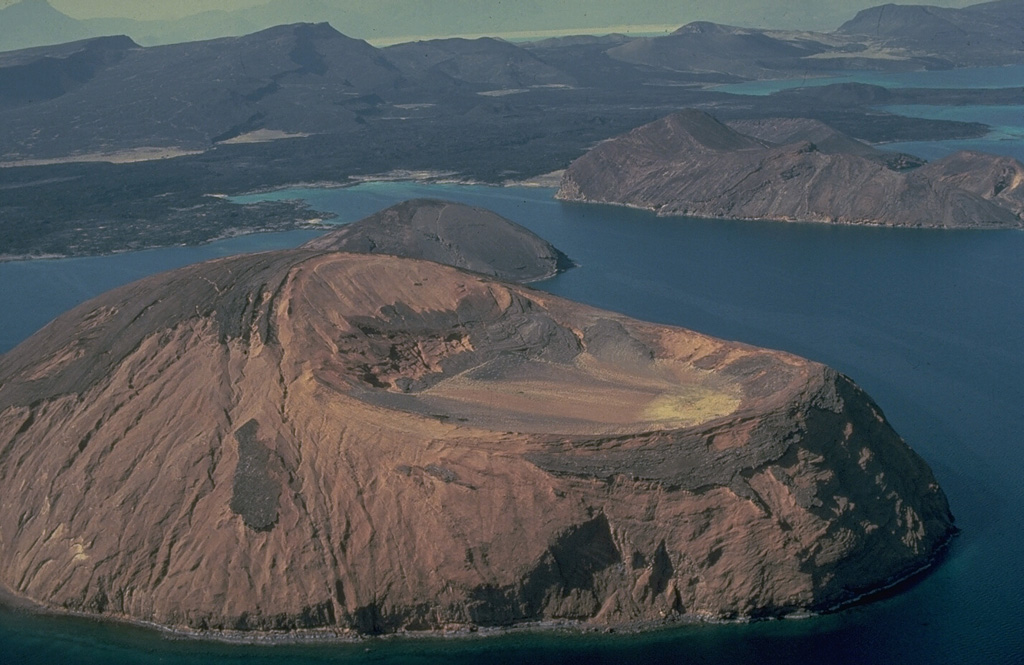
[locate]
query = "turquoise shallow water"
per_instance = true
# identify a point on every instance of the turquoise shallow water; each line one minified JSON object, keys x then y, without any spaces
{"x":1005,"y":138}
{"x":929,"y":322}
{"x":1007,"y":122}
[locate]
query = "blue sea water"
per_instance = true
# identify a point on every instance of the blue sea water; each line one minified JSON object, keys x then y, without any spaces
{"x":1007,"y":122}
{"x":1005,"y":138}
{"x":34,"y":292}
{"x":930,"y":323}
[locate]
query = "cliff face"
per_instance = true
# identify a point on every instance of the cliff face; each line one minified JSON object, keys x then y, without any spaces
{"x":994,"y":177}
{"x":689,"y":164}
{"x":371,"y":444}
{"x":453,"y":234}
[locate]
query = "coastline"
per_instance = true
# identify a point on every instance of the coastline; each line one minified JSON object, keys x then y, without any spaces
{"x":544,"y":181}
{"x":569,"y":628}
{"x":788,"y":220}
{"x":547,"y":180}
{"x":319,"y":224}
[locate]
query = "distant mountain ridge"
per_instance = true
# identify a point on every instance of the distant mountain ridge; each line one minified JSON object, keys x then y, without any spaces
{"x":35,"y":23}
{"x":294,"y":79}
{"x":31,"y":23}
{"x":304,"y":103}
{"x":31,"y":79}
{"x":987,"y":33}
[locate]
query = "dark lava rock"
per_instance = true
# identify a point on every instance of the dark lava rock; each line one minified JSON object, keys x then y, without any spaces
{"x":453,"y":234}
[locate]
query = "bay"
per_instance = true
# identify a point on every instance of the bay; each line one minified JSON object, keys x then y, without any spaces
{"x":1005,"y":138}
{"x":928,"y":322}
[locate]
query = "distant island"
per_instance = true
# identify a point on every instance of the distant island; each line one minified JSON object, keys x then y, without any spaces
{"x":787,"y":169}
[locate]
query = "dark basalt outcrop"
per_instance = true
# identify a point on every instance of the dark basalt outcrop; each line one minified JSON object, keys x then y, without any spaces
{"x":688,"y":163}
{"x":454,"y":234}
{"x":368,"y":444}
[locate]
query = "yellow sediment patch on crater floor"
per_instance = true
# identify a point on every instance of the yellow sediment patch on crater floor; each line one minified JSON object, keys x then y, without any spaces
{"x":691,"y":407}
{"x":553,"y":398}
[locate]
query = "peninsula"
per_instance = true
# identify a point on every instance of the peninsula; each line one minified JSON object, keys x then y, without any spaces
{"x":689,"y":163}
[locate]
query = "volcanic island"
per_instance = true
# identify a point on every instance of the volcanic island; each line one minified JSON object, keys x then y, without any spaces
{"x":357,"y":444}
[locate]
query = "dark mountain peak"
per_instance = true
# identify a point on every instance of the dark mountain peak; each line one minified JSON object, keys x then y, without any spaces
{"x":711,"y":47}
{"x":458,"y":45}
{"x":454,"y":234}
{"x":34,"y":6}
{"x":985,"y":34}
{"x":891,"y":20}
{"x":68,"y":49}
{"x":826,"y":139}
{"x":997,"y":7}
{"x":43,"y":73}
{"x":611,"y":39}
{"x":112,"y":42}
{"x":322,"y":30}
{"x":304,"y":30}
{"x":32,"y":22}
{"x":485,"y":62}
{"x":705,"y":28}
{"x":691,"y":126}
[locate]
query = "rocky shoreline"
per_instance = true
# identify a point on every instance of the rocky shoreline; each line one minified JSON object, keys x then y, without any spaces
{"x":793,"y":170}
{"x":568,"y":628}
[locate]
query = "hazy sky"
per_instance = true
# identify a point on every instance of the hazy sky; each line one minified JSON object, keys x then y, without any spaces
{"x":810,"y":14}
{"x":139,"y":9}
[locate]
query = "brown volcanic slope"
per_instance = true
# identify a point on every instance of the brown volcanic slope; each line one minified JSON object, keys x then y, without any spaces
{"x":453,"y":234}
{"x":688,"y":163}
{"x":368,"y":443}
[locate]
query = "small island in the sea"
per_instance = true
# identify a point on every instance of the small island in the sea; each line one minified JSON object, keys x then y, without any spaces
{"x":454,"y":234}
{"x":792,"y":169}
{"x":364,"y":444}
